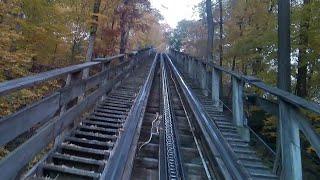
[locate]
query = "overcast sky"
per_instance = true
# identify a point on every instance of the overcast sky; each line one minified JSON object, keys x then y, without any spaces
{"x":176,"y":10}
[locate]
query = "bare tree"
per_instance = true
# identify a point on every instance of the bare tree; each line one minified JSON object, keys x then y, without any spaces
{"x":221,"y":33}
{"x":210,"y":30}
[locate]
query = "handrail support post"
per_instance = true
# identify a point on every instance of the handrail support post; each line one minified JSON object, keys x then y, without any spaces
{"x":239,"y":118}
{"x":203,"y":78}
{"x":185,"y":64}
{"x":216,"y":74}
{"x":190,"y":66}
{"x":194,"y":66}
{"x":70,"y":79}
{"x":289,"y":142}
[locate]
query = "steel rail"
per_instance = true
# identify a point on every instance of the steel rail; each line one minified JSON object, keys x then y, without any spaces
{"x":172,"y":159}
{"x":218,"y":145}
{"x":203,"y":161}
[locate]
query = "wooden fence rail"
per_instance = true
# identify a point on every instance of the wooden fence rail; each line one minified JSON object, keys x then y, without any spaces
{"x":58,"y":111}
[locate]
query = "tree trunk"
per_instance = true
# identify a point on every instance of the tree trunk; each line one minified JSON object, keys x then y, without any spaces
{"x":93,"y":30}
{"x":73,"y":51}
{"x":93,"y":34}
{"x":123,"y":29}
{"x":234,"y":63}
{"x":301,"y":86}
{"x":210,"y":30}
{"x":221,"y":42}
{"x":284,"y":47}
{"x":54,"y":54}
{"x":221,"y":33}
{"x":284,"y":71}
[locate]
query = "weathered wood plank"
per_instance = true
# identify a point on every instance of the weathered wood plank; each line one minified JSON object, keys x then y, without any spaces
{"x":288,"y":97}
{"x":108,"y":59}
{"x":290,"y":143}
{"x":216,"y":75}
{"x":232,"y":73}
{"x":96,"y":80}
{"x":17,"y":159}
{"x":25,"y":82}
{"x":21,"y":121}
{"x":305,"y":127}
{"x":310,"y":133}
{"x":72,"y":91}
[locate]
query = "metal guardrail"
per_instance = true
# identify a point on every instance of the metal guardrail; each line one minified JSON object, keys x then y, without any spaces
{"x":54,"y":113}
{"x":287,"y":109}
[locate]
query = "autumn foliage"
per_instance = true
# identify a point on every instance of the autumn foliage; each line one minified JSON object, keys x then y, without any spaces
{"x":39,"y":35}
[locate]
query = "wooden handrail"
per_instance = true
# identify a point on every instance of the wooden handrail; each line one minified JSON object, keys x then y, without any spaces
{"x":25,"y":82}
{"x":284,"y":95}
{"x":291,"y":120}
{"x":108,"y":59}
{"x":29,"y":81}
{"x":51,"y":112}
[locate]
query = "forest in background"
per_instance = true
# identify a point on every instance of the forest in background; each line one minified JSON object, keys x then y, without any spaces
{"x":249,"y":40}
{"x":40,"y":35}
{"x":245,"y":41}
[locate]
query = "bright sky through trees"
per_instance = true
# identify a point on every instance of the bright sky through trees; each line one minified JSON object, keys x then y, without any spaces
{"x":176,"y":10}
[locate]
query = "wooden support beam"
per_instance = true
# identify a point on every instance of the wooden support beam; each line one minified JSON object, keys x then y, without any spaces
{"x":290,"y":143}
{"x":186,"y":63}
{"x":190,"y":67}
{"x":237,"y":109}
{"x":216,"y":74}
{"x":203,"y":78}
{"x":194,"y":70}
{"x":304,"y":124}
{"x":14,"y":125}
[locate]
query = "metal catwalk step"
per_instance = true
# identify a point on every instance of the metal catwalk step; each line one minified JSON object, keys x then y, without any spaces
{"x":85,"y":152}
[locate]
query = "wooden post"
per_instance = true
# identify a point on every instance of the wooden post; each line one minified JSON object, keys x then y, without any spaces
{"x":198,"y":77}
{"x":288,"y":131}
{"x":237,"y":109}
{"x":194,"y":69}
{"x":216,"y":74}
{"x":290,"y":143}
{"x":190,"y":66}
{"x":183,"y":59}
{"x":186,"y":64}
{"x":209,"y":80}
{"x":203,"y":78}
{"x":71,"y":79}
{"x":106,"y":77}
{"x":182,"y":63}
